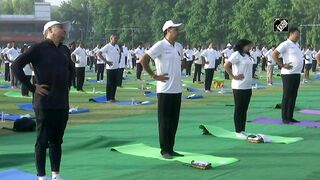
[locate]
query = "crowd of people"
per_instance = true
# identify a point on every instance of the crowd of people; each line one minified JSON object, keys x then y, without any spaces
{"x":56,"y":67}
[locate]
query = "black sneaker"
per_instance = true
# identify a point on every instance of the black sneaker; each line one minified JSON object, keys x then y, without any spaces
{"x":286,"y":122}
{"x":176,"y":154}
{"x":167,"y":156}
{"x":294,"y":121}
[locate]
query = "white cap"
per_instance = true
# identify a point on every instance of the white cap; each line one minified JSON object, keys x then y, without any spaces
{"x":66,"y":25}
{"x":229,"y":45}
{"x":169,"y":24}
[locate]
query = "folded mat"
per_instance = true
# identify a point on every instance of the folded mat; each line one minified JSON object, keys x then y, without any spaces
{"x":16,"y":94}
{"x":28,"y":107}
{"x":220,"y":132}
{"x":310,"y":111}
{"x":12,"y":174}
{"x":143,"y":150}
{"x":5,"y":86}
{"x":103,"y":99}
{"x":278,"y":121}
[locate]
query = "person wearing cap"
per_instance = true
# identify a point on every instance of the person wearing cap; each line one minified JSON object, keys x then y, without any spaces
{"x":110,"y":54}
{"x":11,"y":55}
{"x":291,"y":67}
{"x":226,"y":53}
{"x":209,"y":56}
{"x":167,"y":55}
{"x":79,"y":57}
{"x":139,"y":52}
{"x":239,"y":67}
{"x":54,"y":71}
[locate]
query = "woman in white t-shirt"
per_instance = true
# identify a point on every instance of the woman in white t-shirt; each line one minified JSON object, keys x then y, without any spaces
{"x":239,"y":67}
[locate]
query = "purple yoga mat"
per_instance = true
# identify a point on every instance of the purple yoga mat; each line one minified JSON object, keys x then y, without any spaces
{"x":310,"y":111}
{"x":278,"y":121}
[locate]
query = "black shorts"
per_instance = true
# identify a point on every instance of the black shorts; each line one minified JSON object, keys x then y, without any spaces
{"x":308,"y":66}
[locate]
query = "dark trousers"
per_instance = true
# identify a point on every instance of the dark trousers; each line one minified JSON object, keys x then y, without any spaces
{"x":188,"y":68}
{"x":13,"y":79}
{"x":264,"y":64}
{"x":133,"y":62}
{"x":254,"y":68}
{"x":120,"y":76}
{"x":291,"y":85}
{"x":197,"y":72}
{"x":314,"y":65}
{"x":91,"y":62}
{"x":100,"y":71}
{"x":208,"y":79}
{"x":24,"y":89}
{"x":6,"y":72}
{"x":168,"y":119}
{"x":139,"y":70}
{"x":241,"y":102}
{"x":112,"y":77}
{"x":80,"y":71}
{"x":51,"y":124}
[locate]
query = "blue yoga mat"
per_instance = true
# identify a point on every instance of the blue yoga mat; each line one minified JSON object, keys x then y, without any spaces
{"x":78,"y":111}
{"x":11,"y":174}
{"x":92,"y":80}
{"x":11,"y":117}
{"x":190,"y":89}
{"x":103,"y":99}
{"x":194,"y":96}
{"x":150,"y":94}
{"x":5,"y":86}
{"x":26,"y":107}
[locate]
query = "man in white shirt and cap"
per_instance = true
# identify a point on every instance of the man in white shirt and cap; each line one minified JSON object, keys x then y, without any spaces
{"x":110,"y":54}
{"x":167,"y":55}
{"x":79,"y":57}
{"x":6,"y":63}
{"x":226,"y":53}
{"x":291,"y":67}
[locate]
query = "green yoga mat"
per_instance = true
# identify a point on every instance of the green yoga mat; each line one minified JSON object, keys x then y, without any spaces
{"x":220,"y":132}
{"x":16,"y":94}
{"x":143,"y":150}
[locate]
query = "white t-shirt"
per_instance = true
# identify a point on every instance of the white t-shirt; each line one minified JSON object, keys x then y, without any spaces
{"x":270,"y":60}
{"x":264,"y":51}
{"x":291,"y":53}
{"x":227,"y":52}
{"x":96,"y":52}
{"x":254,"y":55}
{"x":112,"y":54}
{"x":189,"y":54}
{"x":139,"y":52}
{"x":197,"y":55}
{"x":12,"y":54}
{"x":81,"y":56}
{"x":27,"y":70}
{"x":125,"y":51}
{"x":210,"y":56}
{"x":122,"y":63}
{"x":168,"y":61}
{"x":308,"y":56}
{"x":241,"y":65}
{"x":3,"y":52}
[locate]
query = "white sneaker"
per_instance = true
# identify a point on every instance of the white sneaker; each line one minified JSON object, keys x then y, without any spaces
{"x":57,"y":178}
{"x":269,"y":84}
{"x":242,"y":135}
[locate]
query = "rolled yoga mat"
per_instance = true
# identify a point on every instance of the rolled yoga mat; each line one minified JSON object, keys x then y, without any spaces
{"x":145,"y":151}
{"x":223,"y":133}
{"x":278,"y":121}
{"x":310,"y":111}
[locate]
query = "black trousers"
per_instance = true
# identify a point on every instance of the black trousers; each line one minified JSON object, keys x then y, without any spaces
{"x":139,"y":70}
{"x":51,"y":124}
{"x":188,"y":68}
{"x":197,"y":72}
{"x":254,"y":68}
{"x":24,"y":89}
{"x":208,"y":79}
{"x":91,"y":62}
{"x":133,"y":62}
{"x":6,"y":72}
{"x":112,"y":77}
{"x":314,"y":65}
{"x":241,"y":102}
{"x":80,"y":73}
{"x":100,"y":71}
{"x":120,"y":76}
{"x":168,"y":119}
{"x":264,"y":64}
{"x":291,"y":85}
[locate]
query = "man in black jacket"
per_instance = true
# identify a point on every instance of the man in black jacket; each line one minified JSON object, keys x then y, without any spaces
{"x":54,"y":71}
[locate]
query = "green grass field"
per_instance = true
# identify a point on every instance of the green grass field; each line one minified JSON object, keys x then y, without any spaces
{"x":90,"y":136}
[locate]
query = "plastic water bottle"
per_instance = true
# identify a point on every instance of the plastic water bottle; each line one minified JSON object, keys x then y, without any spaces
{"x":256,"y":85}
{"x":94,"y":90}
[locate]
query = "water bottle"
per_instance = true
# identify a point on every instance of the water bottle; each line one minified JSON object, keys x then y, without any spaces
{"x":94,"y":90}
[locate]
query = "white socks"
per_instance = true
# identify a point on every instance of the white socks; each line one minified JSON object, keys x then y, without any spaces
{"x":42,"y":178}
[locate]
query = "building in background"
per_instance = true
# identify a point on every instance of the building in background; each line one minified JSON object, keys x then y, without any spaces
{"x":25,"y":28}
